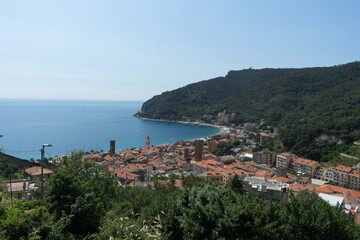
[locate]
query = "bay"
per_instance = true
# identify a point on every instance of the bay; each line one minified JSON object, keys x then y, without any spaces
{"x":82,"y":125}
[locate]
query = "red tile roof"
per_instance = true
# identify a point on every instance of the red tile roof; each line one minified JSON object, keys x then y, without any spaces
{"x":355,"y":173}
{"x":263,"y":134}
{"x":343,"y":168}
{"x":306,"y":161}
{"x":264,"y":173}
{"x":287,"y":154}
{"x":296,"y":187}
{"x":35,"y":171}
{"x":125,"y":173}
{"x":283,"y":180}
{"x":327,"y":188}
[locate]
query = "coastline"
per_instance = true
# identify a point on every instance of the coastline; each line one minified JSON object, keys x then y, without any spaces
{"x":220,"y":128}
{"x":94,"y":124}
{"x":181,"y":122}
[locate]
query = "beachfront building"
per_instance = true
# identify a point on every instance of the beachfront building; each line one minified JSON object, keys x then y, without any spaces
{"x":222,"y":117}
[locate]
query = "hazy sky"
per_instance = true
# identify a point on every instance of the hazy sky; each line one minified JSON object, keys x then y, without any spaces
{"x":132,"y":50}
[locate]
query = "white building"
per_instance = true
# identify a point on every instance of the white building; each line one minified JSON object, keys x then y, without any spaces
{"x":284,"y":159}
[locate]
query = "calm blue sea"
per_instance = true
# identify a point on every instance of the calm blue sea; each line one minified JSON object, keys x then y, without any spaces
{"x":82,"y":125}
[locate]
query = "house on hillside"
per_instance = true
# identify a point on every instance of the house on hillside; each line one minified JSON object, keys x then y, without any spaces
{"x":268,"y":189}
{"x":18,"y":189}
{"x":34,"y":173}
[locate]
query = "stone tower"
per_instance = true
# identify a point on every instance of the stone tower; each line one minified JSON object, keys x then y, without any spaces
{"x":186,"y":154}
{"x":112,"y":147}
{"x":198,"y":149}
{"x":147,"y":142}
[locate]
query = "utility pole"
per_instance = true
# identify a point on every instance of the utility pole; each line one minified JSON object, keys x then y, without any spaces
{"x":42,"y":168}
{"x":11,"y":193}
{"x":9,"y":171}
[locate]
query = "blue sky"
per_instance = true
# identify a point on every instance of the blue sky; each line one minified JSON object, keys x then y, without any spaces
{"x":132,"y":50}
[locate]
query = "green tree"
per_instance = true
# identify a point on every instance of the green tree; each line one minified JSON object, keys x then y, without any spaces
{"x":201,"y":208}
{"x":27,"y":219}
{"x":309,"y":217}
{"x":236,"y":184}
{"x":224,"y":147}
{"x":236,"y":142}
{"x":80,"y":194}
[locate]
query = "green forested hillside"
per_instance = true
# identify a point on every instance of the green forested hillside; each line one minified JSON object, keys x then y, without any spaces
{"x":305,"y":103}
{"x":11,"y":166}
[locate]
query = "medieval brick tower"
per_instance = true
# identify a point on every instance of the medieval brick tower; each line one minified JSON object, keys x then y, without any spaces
{"x":198,"y":149}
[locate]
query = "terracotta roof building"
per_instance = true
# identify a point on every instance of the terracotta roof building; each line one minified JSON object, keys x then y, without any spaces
{"x":284,"y":159}
{"x":354,"y":180}
{"x":35,"y":174}
{"x":351,"y":196}
{"x":305,"y":166}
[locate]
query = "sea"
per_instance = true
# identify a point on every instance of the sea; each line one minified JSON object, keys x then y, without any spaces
{"x":72,"y":125}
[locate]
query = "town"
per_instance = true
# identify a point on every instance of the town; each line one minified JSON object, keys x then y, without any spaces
{"x":233,"y":153}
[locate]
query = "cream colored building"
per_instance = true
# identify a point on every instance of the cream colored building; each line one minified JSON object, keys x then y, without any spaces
{"x":18,"y":189}
{"x":35,"y":174}
{"x":264,"y":157}
{"x":305,"y":166}
{"x":283,"y":160}
{"x":354,"y":180}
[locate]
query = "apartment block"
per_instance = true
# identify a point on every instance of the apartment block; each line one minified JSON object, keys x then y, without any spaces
{"x":354,"y":180}
{"x":264,"y":157}
{"x":329,"y":174}
{"x":283,"y":160}
{"x":305,"y":166}
{"x":338,"y":174}
{"x":320,"y":173}
{"x":342,"y":175}
{"x":264,"y":138}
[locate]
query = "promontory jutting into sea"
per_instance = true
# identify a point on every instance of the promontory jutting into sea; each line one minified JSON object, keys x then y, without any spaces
{"x":83,"y":125}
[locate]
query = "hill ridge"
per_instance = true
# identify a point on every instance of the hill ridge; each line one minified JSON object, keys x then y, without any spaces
{"x":326,"y":99}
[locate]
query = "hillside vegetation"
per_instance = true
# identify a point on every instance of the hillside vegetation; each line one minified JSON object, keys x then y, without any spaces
{"x":11,"y":166}
{"x":83,"y":201}
{"x":306,"y":103}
